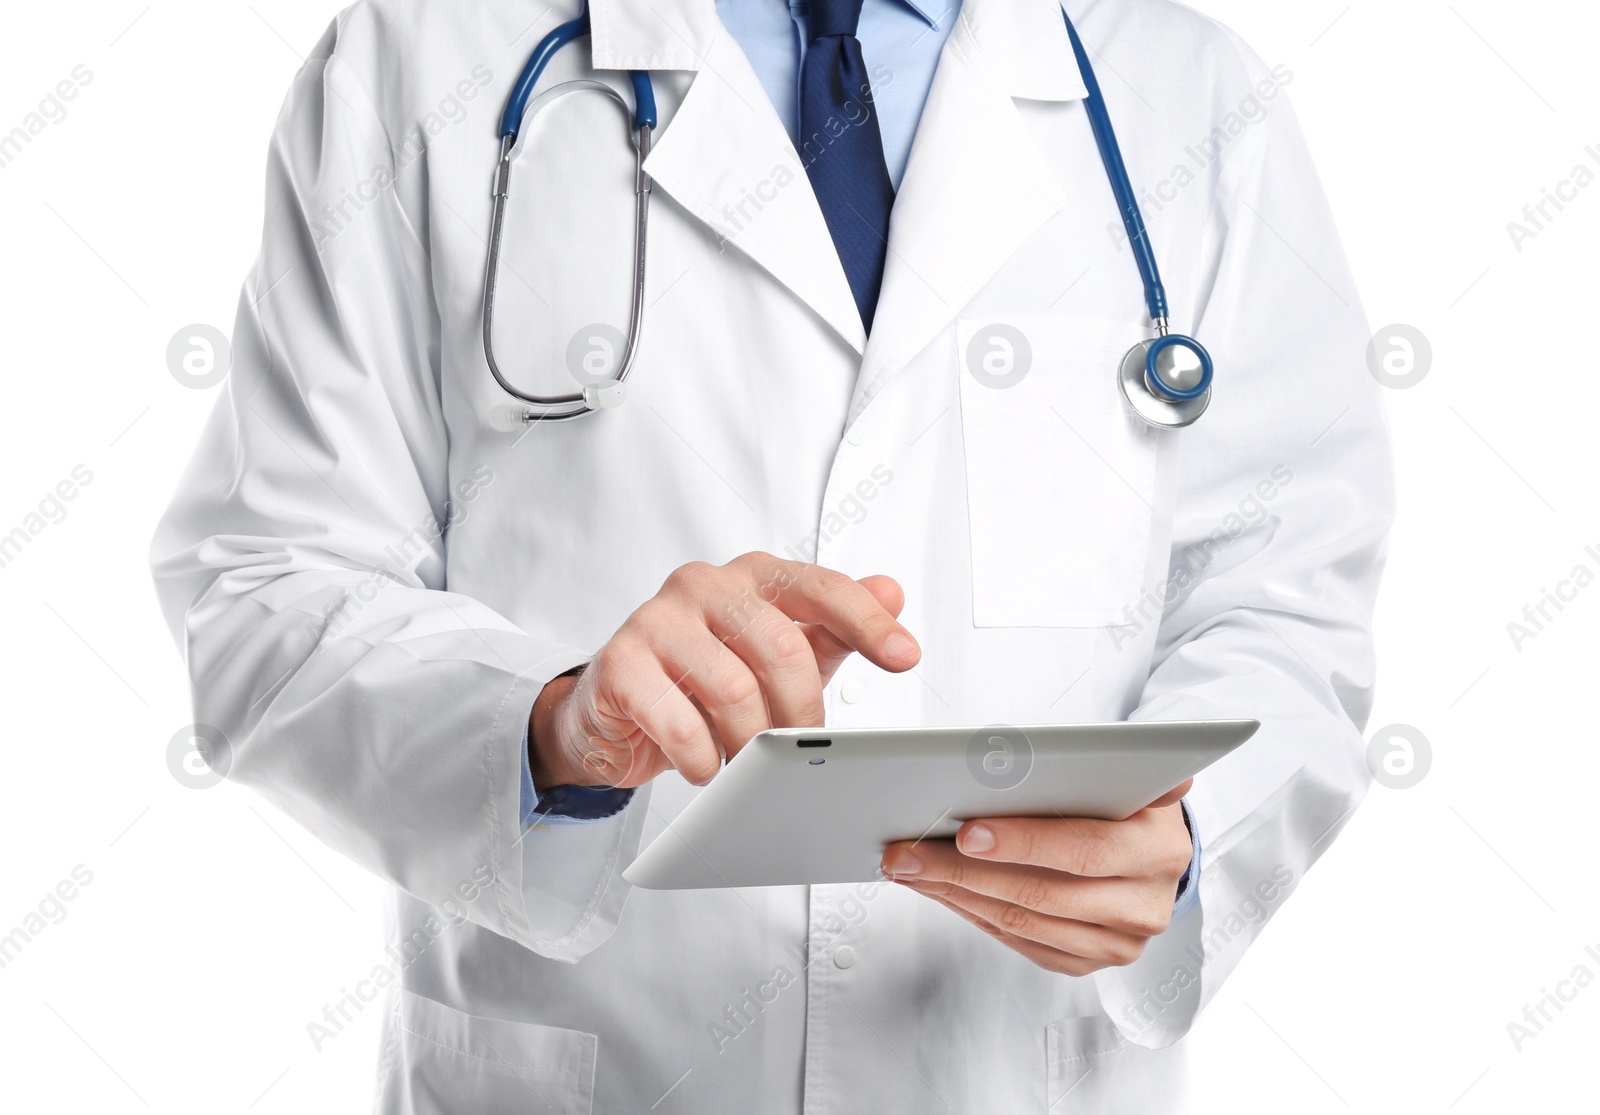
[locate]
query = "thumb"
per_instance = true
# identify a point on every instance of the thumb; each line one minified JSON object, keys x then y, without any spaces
{"x":1172,"y":795}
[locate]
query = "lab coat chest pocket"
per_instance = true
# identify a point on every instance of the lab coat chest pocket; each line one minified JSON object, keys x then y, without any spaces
{"x":457,"y":1063}
{"x":1060,"y":475}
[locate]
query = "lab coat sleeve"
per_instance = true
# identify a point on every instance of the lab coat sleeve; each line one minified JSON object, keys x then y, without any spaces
{"x":302,"y":562}
{"x":1282,"y":509}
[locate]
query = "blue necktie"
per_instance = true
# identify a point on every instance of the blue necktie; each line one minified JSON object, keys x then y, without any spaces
{"x":842,"y":148}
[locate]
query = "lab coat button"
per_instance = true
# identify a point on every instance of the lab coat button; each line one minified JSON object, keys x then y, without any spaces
{"x":844,"y":956}
{"x":855,"y":436}
{"x":851,"y":692}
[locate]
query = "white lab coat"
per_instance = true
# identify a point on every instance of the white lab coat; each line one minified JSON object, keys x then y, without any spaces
{"x":371,"y":582}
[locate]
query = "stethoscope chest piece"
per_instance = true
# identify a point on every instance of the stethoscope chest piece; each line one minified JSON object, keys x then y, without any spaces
{"x":1167,"y":380}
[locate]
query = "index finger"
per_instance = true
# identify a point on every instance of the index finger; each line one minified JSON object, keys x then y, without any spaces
{"x":830,"y":651}
{"x":848,"y":611}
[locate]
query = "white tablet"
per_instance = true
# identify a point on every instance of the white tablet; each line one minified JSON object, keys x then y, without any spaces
{"x":818,"y":805}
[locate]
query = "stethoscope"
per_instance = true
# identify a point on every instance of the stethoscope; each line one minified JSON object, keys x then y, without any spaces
{"x":1166,"y":378}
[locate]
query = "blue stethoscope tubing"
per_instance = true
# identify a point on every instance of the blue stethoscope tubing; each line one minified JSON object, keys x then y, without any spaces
{"x":1166,"y":379}
{"x":644,"y":94}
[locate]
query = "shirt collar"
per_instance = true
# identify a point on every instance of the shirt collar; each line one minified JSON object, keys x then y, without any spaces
{"x":1023,"y":42}
{"x":674,"y":34}
{"x":930,"y":11}
{"x":935,"y":13}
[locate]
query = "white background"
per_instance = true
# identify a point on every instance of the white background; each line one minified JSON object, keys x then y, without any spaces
{"x":183,"y":976}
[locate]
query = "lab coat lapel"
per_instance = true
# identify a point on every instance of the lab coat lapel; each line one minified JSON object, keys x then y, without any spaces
{"x":976,"y":186}
{"x":726,"y":158}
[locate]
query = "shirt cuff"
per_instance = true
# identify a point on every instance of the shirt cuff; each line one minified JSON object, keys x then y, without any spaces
{"x":1189,"y":885}
{"x":566,"y":805}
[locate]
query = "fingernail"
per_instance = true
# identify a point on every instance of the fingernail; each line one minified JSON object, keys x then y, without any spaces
{"x":906,"y":864}
{"x":898,"y":646}
{"x":977,"y":839}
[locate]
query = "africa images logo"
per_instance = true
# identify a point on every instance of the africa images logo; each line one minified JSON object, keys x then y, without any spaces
{"x":1538,"y":615}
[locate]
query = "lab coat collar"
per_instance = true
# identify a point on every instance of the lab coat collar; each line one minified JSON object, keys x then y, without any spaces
{"x":726,"y":158}
{"x":977,"y":186}
{"x":1025,"y":47}
{"x":652,"y":34}
{"x":975,"y":189}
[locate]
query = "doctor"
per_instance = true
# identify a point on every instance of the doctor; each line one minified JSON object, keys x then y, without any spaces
{"x":862,"y":479}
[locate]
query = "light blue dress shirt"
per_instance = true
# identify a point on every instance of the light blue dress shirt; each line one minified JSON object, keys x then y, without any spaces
{"x":900,"y":42}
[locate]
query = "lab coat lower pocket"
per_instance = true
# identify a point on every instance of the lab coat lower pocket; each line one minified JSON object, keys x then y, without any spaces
{"x":455,"y":1062}
{"x":1075,"y":1048}
{"x":1060,"y":474}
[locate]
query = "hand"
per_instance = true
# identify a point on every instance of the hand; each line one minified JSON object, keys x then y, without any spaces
{"x":718,"y":655}
{"x":1072,"y":895}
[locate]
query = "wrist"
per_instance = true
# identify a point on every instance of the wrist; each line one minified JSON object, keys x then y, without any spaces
{"x":1189,"y":881}
{"x":546,"y":755}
